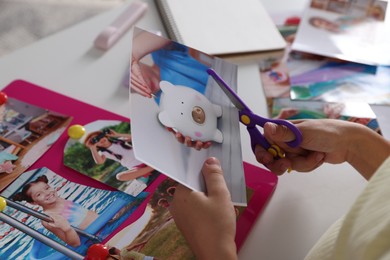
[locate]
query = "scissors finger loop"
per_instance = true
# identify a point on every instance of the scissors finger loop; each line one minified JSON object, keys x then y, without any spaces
{"x":276,"y":151}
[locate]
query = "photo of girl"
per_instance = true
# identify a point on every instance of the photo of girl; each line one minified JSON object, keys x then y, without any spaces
{"x":105,"y":153}
{"x":338,"y":25}
{"x":65,"y":213}
{"x":74,"y":215}
{"x":116,"y":146}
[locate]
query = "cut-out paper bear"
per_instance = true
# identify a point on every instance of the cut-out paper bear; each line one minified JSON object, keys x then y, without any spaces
{"x":189,"y":112}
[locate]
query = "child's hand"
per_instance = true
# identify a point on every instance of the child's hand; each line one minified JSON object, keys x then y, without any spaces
{"x":325,"y":140}
{"x":59,"y":222}
{"x":186,"y":140}
{"x":61,"y":227}
{"x":207,"y":220}
{"x":286,"y":113}
{"x":144,"y":79}
{"x":7,"y":167}
{"x":112,"y":133}
{"x":91,"y":145}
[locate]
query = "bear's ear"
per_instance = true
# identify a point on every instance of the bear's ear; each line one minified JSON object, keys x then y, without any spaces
{"x":165,"y":86}
{"x":165,"y":119}
{"x":218,"y":137}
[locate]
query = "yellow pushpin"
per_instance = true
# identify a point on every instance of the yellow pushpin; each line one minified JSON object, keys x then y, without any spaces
{"x":76,"y":131}
{"x":3,"y":204}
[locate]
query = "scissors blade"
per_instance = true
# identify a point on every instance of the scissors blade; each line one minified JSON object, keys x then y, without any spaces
{"x":237,"y":102}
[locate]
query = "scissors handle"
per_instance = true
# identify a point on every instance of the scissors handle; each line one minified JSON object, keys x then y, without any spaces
{"x":252,"y":120}
{"x":298,"y":135}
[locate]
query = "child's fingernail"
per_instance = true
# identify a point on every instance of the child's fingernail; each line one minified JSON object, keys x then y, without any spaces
{"x":213,"y":161}
{"x":266,"y":160}
{"x":273,"y":128}
{"x":320,"y":157}
{"x":283,"y":167}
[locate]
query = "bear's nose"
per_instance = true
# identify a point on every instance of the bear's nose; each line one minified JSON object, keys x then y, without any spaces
{"x":198,"y":115}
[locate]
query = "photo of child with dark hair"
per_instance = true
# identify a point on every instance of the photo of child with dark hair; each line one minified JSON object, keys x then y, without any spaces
{"x":65,"y":213}
{"x":106,"y":153}
{"x":338,"y":25}
{"x":75,"y":210}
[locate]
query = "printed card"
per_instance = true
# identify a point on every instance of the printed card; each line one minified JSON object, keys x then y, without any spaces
{"x":26,"y":133}
{"x":173,"y":98}
{"x":105,"y":152}
{"x":88,"y":215}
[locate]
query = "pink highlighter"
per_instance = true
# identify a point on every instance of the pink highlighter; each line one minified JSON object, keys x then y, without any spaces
{"x":110,"y":35}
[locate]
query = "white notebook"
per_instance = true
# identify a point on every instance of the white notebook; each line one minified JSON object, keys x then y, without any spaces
{"x":220,"y":27}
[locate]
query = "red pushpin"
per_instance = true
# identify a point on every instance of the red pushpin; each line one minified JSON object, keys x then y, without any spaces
{"x":294,"y":20}
{"x":97,"y":252}
{"x":3,"y":98}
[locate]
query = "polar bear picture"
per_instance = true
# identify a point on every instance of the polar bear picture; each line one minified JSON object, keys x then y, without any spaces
{"x":189,"y":112}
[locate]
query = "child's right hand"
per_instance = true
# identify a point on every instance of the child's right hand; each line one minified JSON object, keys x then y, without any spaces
{"x":59,"y":222}
{"x":61,"y":227}
{"x":325,"y":140}
{"x":90,"y":145}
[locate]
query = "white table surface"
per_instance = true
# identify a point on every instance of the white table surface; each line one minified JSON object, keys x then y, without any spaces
{"x":303,"y":205}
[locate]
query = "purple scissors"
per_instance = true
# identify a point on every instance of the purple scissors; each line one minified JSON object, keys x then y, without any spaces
{"x":251,"y":120}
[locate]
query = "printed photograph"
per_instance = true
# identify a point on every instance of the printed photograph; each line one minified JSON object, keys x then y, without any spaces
{"x":154,"y":234}
{"x":275,"y":78}
{"x":74,"y":215}
{"x":375,"y":9}
{"x":179,"y":114}
{"x":26,"y":133}
{"x":358,"y":112}
{"x":105,"y":152}
{"x":306,"y":76}
{"x":345,"y":30}
{"x":324,"y":79}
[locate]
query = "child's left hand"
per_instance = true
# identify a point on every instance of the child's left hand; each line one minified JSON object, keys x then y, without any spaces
{"x":187,"y":141}
{"x":207,"y":220}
